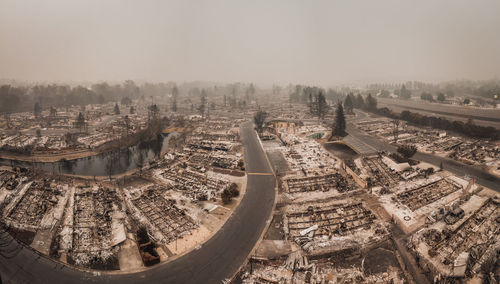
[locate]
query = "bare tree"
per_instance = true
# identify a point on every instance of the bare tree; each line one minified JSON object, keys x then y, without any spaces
{"x":203,"y":102}
{"x":175,"y":93}
{"x":153,"y":112}
{"x":80,"y":121}
{"x":126,"y":120}
{"x":395,"y":129}
{"x":37,"y":109}
{"x":53,"y":112}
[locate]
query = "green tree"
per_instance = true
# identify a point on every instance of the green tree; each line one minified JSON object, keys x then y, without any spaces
{"x":359,"y":102}
{"x":320,"y":107}
{"x":441,"y":97}
{"x":426,"y":97}
{"x":466,"y":101}
{"x":130,"y":89}
{"x":407,"y":150}
{"x":126,"y":101}
{"x":117,"y":109}
{"x":384,"y":94}
{"x":348,"y":103}
{"x":371,"y":102}
{"x":338,"y":128}
{"x":404,"y":93}
{"x":10,"y":98}
{"x":259,"y":119}
{"x":226,"y":196}
{"x":37,"y":109}
{"x":250,"y":91}
{"x":233,"y":189}
{"x":101,"y":99}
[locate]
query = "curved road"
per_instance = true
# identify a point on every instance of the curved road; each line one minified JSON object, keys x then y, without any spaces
{"x":217,"y":259}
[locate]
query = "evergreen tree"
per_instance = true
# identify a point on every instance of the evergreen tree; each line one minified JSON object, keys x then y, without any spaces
{"x":37,"y":109}
{"x":321,"y":105}
{"x":338,"y":128}
{"x":359,"y":102}
{"x":117,"y":109}
{"x":441,"y":97}
{"x":348,"y":103}
{"x":371,"y":102}
{"x":404,"y":93}
{"x":259,"y":119}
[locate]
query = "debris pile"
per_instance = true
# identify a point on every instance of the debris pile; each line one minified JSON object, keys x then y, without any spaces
{"x":330,"y":225}
{"x":458,"y":249}
{"x":166,"y":221}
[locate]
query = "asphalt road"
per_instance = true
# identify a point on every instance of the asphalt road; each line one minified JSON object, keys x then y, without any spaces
{"x":489,"y":114}
{"x":482,"y":177}
{"x":481,"y":116}
{"x":217,"y":259}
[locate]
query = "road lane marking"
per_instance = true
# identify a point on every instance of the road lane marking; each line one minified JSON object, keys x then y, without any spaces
{"x":260,"y":174}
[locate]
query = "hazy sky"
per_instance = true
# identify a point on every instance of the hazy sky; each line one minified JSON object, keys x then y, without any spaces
{"x":317,"y":42}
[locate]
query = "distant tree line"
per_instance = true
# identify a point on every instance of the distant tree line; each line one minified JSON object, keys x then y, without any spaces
{"x":440,"y":97}
{"x":14,"y":99}
{"x":359,"y":102}
{"x":305,"y":94}
{"x":488,"y":90}
{"x":23,"y":98}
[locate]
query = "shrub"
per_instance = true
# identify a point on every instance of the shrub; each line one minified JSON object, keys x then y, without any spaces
{"x":407,"y":150}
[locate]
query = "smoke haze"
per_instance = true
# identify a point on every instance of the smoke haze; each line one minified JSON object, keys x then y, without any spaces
{"x":316,"y":42}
